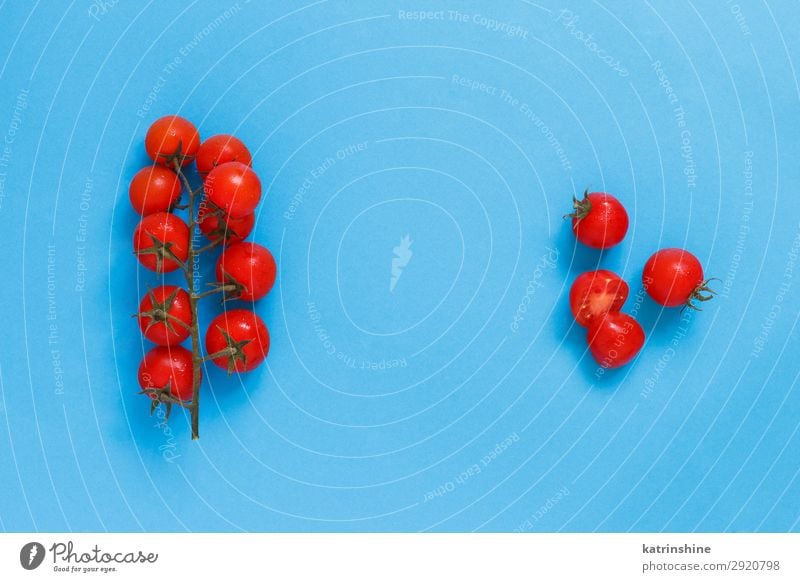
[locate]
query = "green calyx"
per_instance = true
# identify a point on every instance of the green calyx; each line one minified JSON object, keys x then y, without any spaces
{"x":581,"y":206}
{"x":701,"y":294}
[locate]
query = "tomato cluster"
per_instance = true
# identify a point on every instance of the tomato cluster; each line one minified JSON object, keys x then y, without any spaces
{"x":238,"y":339}
{"x":672,"y":277}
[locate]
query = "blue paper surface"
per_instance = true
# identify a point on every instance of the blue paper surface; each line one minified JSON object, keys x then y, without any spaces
{"x":425,"y":372}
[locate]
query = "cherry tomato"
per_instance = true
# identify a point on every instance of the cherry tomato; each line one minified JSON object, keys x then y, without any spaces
{"x":249,"y":267}
{"x":675,"y":277}
{"x":168,"y":365}
{"x":220,"y":149}
{"x":161,"y":242}
{"x":599,"y":220}
{"x":172,"y":138}
{"x":595,"y":293}
{"x":234,"y":187}
{"x":215,"y":224}
{"x":615,"y":339}
{"x":154,"y":189}
{"x":165,"y":315}
{"x":240,"y":338}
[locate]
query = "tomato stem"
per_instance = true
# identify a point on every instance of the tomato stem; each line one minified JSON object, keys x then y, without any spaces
{"x":194,"y":406}
{"x":702,"y":293}
{"x":581,"y":206}
{"x":208,"y":247}
{"x":223,"y":353}
{"x":216,"y":289}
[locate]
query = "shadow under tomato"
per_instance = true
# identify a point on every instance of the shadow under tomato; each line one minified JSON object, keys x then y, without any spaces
{"x":572,"y":338}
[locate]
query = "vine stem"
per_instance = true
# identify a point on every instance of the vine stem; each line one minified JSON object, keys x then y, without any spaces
{"x":194,"y":406}
{"x":215,"y":290}
{"x":208,"y":247}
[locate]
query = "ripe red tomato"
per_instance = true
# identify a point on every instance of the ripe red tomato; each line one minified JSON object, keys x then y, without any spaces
{"x":675,"y":277}
{"x":215,"y":224}
{"x":172,"y":138}
{"x":615,"y":339}
{"x":165,"y":315}
{"x":168,"y":365}
{"x":154,"y":189}
{"x":234,"y":187}
{"x":599,"y":220}
{"x":240,"y":338}
{"x":220,"y":149}
{"x":248,"y":266}
{"x":595,"y":293}
{"x":161,"y":242}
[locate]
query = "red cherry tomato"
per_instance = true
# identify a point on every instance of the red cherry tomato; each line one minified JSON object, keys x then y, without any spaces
{"x":234,"y":187}
{"x":615,"y":339}
{"x":172,"y":138}
{"x":249,"y":267}
{"x":675,"y":277}
{"x":215,"y":224}
{"x":161,"y":242}
{"x":599,"y":220}
{"x":168,"y":365}
{"x":220,"y":149}
{"x":595,"y":293}
{"x":154,"y":189}
{"x":165,"y":315}
{"x":240,"y":337}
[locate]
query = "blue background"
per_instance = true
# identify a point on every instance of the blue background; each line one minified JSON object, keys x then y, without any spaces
{"x":463,"y":399}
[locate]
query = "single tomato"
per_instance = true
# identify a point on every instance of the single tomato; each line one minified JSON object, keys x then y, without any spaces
{"x":220,"y":149}
{"x":161,"y":242}
{"x":216,"y":225}
{"x":595,"y":293}
{"x":154,"y":189}
{"x":172,"y":139}
{"x":238,"y":339}
{"x":234,"y":187}
{"x":675,"y":277}
{"x":615,"y":339}
{"x":248,"y":268}
{"x":168,"y":366}
{"x":599,"y":220}
{"x":165,"y":315}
